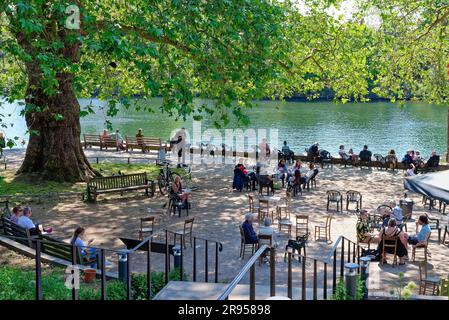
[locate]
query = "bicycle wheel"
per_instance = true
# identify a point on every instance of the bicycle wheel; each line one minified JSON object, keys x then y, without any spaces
{"x":162,"y":183}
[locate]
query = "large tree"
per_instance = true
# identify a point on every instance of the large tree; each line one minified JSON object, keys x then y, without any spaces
{"x":227,"y":51}
{"x":412,"y":49}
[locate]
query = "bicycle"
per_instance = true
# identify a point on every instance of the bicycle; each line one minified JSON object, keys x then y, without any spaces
{"x":167,"y":176}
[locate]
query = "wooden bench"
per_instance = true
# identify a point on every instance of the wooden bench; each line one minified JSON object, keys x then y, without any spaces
{"x":13,"y":230}
{"x":144,"y":143}
{"x":59,"y":249}
{"x":91,"y":140}
{"x":128,"y":182}
{"x":109,"y":142}
{"x":96,"y":140}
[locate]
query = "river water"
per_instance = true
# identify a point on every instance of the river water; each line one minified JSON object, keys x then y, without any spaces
{"x":380,"y":125}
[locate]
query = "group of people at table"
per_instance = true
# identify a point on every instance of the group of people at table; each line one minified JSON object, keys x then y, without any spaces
{"x":297,"y":174}
{"x":392,"y":226}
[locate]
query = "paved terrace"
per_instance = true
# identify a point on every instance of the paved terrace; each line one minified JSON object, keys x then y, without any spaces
{"x":218,"y":211}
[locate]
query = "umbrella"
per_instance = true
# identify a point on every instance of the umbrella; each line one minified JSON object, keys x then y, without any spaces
{"x":433,"y":185}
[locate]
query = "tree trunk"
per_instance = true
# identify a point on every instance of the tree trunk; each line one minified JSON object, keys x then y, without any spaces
{"x":54,"y":151}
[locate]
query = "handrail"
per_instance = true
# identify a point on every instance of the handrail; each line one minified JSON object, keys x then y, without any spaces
{"x":329,"y":256}
{"x":242,"y":273}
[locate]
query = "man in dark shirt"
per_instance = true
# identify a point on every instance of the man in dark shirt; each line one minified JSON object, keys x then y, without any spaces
{"x":248,"y":230}
{"x":365,"y":154}
{"x":433,"y":161}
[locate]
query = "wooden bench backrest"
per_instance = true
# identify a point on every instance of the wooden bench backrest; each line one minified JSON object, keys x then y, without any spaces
{"x":59,"y":249}
{"x":108,"y":140}
{"x":14,"y":230}
{"x":92,"y":137}
{"x":148,"y":141}
{"x":117,"y":182}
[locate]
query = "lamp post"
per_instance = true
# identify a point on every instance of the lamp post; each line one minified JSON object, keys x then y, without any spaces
{"x":351,"y":279}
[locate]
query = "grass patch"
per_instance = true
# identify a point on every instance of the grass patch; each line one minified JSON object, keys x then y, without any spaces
{"x":19,"y":186}
{"x":108,"y":169}
{"x":19,"y":284}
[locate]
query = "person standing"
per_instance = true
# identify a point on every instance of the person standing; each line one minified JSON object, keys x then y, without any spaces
{"x":2,"y":143}
{"x":179,"y":142}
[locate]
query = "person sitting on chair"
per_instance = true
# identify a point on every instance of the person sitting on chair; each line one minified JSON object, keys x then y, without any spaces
{"x":26,"y":222}
{"x":408,"y":158}
{"x":139,"y":133}
{"x":177,"y":192}
{"x":287,"y":152}
{"x":248,"y":230}
{"x":78,"y":241}
{"x":17,"y":213}
{"x":267,"y":230}
{"x":411,"y":170}
{"x":282,"y":171}
{"x":365,"y":154}
{"x":314,"y":152}
{"x":392,"y":230}
{"x":312,"y":171}
{"x":239,"y":177}
{"x":362,"y":228}
{"x":391,"y":159}
{"x":105,"y":134}
{"x":421,"y":236}
{"x":433,"y":161}
{"x":343,"y":154}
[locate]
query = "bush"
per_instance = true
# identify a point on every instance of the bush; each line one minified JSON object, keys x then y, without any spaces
{"x":18,"y":284}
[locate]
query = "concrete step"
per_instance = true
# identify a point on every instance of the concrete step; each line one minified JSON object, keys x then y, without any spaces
{"x":183,"y":290}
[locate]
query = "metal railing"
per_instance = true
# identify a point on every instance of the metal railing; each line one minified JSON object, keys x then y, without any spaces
{"x":145,"y":245}
{"x":314,"y":273}
{"x":216,"y":246}
{"x":251,"y":267}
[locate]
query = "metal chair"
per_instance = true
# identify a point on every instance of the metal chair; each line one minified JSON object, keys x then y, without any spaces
{"x":434,"y":224}
{"x":353,"y":196}
{"x":442,"y":206}
{"x":335,"y":197}
{"x":389,"y":242}
{"x":244,"y":246}
{"x":324,"y":229}
{"x":427,"y":285}
{"x":186,"y":232}
{"x":446,"y":232}
{"x":429,"y":201}
{"x":421,"y":246}
{"x":146,"y":229}
{"x":325,"y":158}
